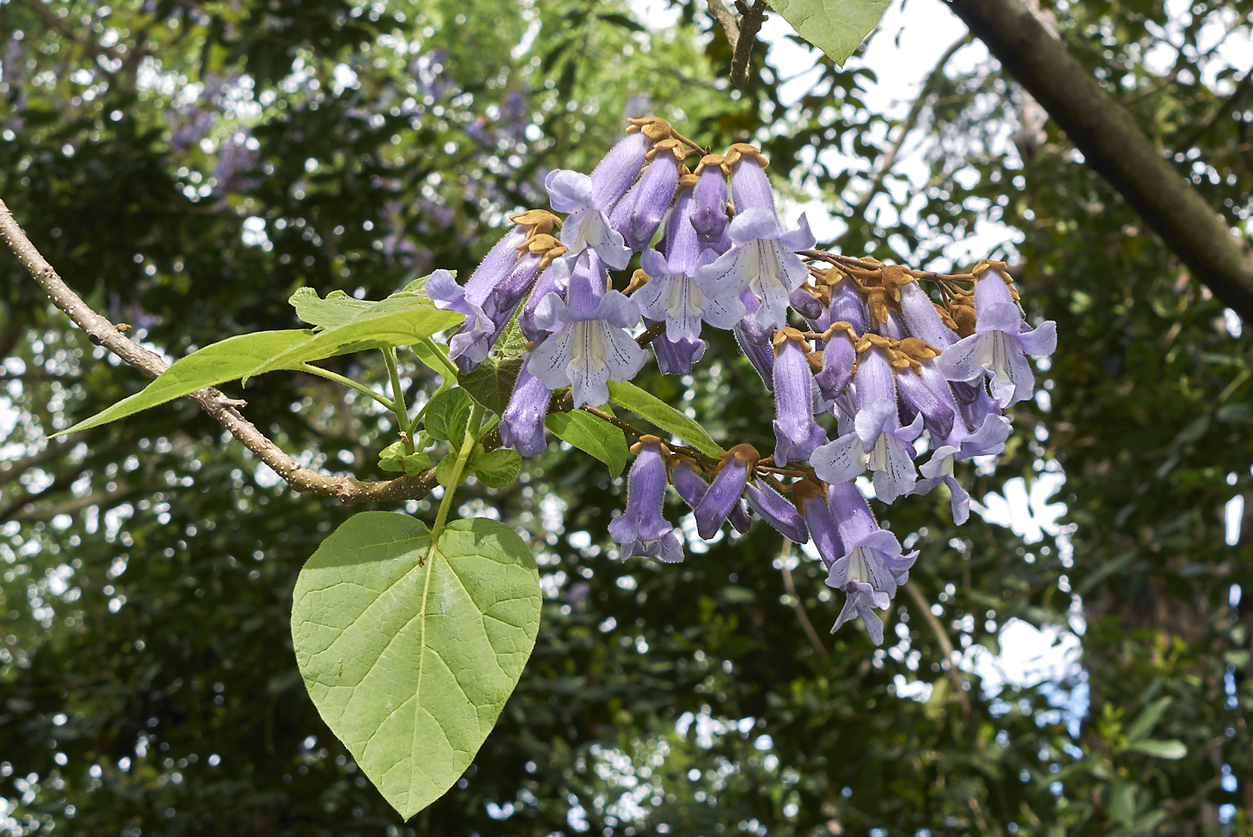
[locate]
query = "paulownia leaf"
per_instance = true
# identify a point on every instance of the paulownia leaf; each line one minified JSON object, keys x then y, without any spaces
{"x":834,"y":26}
{"x":399,"y":320}
{"x":447,"y":416}
{"x":408,"y":654}
{"x":663,"y":415}
{"x":214,"y":364}
{"x":592,"y":435}
{"x":337,"y":309}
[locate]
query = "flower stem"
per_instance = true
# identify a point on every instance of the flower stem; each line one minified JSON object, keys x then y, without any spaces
{"x":398,"y":396}
{"x":463,"y":456}
{"x":348,"y":382}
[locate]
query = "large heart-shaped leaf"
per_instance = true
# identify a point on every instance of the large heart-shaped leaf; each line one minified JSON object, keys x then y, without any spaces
{"x":214,"y":364}
{"x":834,"y":26}
{"x":409,"y":652}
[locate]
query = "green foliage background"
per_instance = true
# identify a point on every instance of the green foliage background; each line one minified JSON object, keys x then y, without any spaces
{"x":148,"y":683}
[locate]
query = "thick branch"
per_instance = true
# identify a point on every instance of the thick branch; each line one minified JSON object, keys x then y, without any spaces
{"x":741,"y":34}
{"x":217,"y":405}
{"x":1114,"y":146}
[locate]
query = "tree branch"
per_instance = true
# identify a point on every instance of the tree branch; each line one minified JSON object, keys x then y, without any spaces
{"x":741,"y":34}
{"x":1114,"y":146}
{"x":212,"y":401}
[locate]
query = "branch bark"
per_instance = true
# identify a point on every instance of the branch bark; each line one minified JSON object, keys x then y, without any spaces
{"x":1114,"y":146}
{"x":212,"y":401}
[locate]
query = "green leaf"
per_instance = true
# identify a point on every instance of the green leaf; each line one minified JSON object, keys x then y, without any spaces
{"x":1162,"y":749}
{"x":663,"y":415}
{"x":592,"y":435}
{"x":394,"y":458}
{"x":433,"y":356}
{"x":337,"y":309}
{"x":836,"y":27}
{"x":399,"y":320}
{"x":497,"y":468}
{"x":448,"y":415}
{"x":444,"y":470}
{"x":216,"y":363}
{"x":410,"y":654}
{"x":491,"y":384}
{"x":1148,"y":718}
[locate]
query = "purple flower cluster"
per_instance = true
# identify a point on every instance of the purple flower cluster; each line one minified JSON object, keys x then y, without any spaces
{"x":861,"y":360}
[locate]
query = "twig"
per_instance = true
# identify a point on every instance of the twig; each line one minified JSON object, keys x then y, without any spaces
{"x":217,"y":405}
{"x":806,"y":625}
{"x":946,"y":645}
{"x":741,"y":35}
{"x":888,"y":160}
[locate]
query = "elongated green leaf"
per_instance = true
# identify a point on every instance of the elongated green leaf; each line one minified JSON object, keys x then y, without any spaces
{"x":663,"y":415}
{"x":399,"y":320}
{"x":1146,"y":720}
{"x":591,"y":435}
{"x":408,"y":654}
{"x":448,"y":415}
{"x":214,"y":364}
{"x":836,"y":27}
{"x":1171,"y":749}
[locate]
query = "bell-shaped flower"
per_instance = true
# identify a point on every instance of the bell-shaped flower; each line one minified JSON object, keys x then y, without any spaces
{"x":922,"y":317}
{"x":522,"y":423}
{"x":763,"y":257}
{"x":589,"y":344}
{"x":638,"y":215}
{"x":710,"y":218}
{"x":726,"y":489}
{"x":1000,"y":343}
{"x":839,"y":357}
{"x":877,"y":441}
{"x":810,"y":497}
{"x":641,"y":529}
{"x":686,"y":478}
{"x":776,"y":510}
{"x":754,"y":340}
{"x":546,"y":284}
{"x":872,"y":566}
{"x":494,"y":290}
{"x":795,"y":431}
{"x":676,"y":357}
{"x":671,"y":294}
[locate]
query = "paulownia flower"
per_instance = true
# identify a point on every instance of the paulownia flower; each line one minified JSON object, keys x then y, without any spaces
{"x":641,"y":529}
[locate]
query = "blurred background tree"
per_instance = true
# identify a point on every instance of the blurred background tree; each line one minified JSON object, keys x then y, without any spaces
{"x":187,"y":165}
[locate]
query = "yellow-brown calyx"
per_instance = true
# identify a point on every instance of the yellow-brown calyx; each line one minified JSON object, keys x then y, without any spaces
{"x":1001,"y":269}
{"x":649,"y":440}
{"x":901,"y":354}
{"x":961,"y":308}
{"x":653,"y":127}
{"x":841,"y":326}
{"x":540,"y":221}
{"x":543,"y":245}
{"x":638,"y":280}
{"x":670,"y":146}
{"x":687,"y":180}
{"x":710,"y":160}
{"x":785,"y":334}
{"x":742,"y":453}
{"x":739,"y":151}
{"x":807,"y":489}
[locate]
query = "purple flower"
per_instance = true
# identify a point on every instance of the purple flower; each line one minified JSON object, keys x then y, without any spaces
{"x":522,"y":424}
{"x":839,"y":357}
{"x":671,"y":294}
{"x":686,"y":479}
{"x":641,"y":529}
{"x":771,"y":506}
{"x":796,"y":433}
{"x":872,"y":567}
{"x":675,"y":357}
{"x":710,"y":219}
{"x":763,"y":257}
{"x":494,"y":290}
{"x":590,"y":199}
{"x":923,"y":318}
{"x":754,"y":340}
{"x":725,"y":490}
{"x":812,"y":502}
{"x":1000,"y":343}
{"x":589,"y":344}
{"x":877,"y":441}
{"x":638,"y":215}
